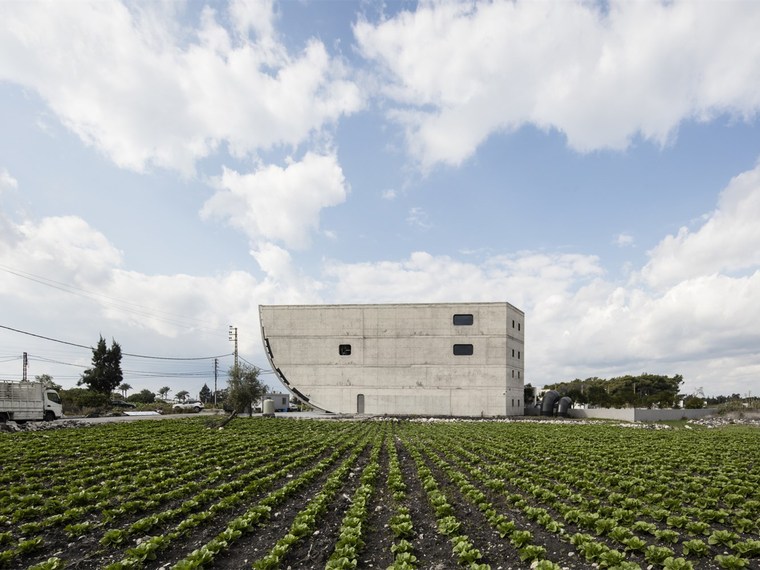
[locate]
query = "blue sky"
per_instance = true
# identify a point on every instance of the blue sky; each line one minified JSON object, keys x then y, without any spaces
{"x":166,"y":167}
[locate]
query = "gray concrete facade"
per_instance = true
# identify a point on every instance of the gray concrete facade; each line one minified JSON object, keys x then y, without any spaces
{"x":443,"y":359}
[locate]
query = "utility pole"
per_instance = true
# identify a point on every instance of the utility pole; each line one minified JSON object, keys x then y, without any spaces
{"x":234,"y":337}
{"x":26,"y":366}
{"x":216,"y":370}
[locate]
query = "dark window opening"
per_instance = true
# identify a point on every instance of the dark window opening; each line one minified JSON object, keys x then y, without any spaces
{"x":463,"y":320}
{"x":513,"y":402}
{"x":518,"y":326}
{"x":518,"y":403}
{"x":344,"y":350}
{"x":513,"y":323}
{"x":513,"y":353}
{"x":463,"y":350}
{"x":518,"y":354}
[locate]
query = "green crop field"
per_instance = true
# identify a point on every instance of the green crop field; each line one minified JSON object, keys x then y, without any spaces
{"x":279,"y":493}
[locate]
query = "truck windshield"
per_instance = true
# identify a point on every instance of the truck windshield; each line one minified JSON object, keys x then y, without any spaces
{"x":53,"y":397}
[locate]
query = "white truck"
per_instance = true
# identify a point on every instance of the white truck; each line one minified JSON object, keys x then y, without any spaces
{"x":21,"y":401}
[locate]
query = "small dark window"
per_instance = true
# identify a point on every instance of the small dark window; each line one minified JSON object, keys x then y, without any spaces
{"x":463,"y":320}
{"x":463,"y":349}
{"x":518,"y":326}
{"x":518,"y":373}
{"x":513,"y":323}
{"x":344,"y":350}
{"x":513,"y":374}
{"x":513,"y":402}
{"x":518,"y":355}
{"x":518,"y":403}
{"x":513,"y":353}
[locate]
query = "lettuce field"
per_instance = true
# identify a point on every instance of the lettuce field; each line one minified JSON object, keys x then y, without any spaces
{"x":286,"y":493}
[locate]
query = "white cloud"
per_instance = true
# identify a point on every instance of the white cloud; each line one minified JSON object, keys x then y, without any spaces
{"x":462,"y":71}
{"x":419,"y":218}
{"x":7,"y":182}
{"x":728,"y":239}
{"x":389,"y":194}
{"x":145,"y":91}
{"x":279,"y":204}
{"x":623,"y":240}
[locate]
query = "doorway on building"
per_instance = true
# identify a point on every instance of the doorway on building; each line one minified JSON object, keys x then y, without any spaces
{"x":360,"y":403}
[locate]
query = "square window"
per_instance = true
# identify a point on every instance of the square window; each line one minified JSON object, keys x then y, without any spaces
{"x":463,"y":350}
{"x":344,"y":350}
{"x":463,"y":320}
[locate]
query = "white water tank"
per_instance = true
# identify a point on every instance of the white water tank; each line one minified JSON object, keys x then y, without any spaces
{"x":268,"y":407}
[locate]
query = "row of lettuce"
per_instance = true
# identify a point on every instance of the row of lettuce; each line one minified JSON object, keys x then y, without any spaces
{"x":529,"y":494}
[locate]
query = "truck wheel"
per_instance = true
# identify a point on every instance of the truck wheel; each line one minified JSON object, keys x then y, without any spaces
{"x":197,"y":410}
{"x":49,"y":416}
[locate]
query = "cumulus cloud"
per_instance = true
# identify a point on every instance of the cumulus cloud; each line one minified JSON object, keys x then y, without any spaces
{"x":279,"y":203}
{"x":462,"y":71}
{"x":624,"y":240}
{"x":728,"y":240}
{"x":144,"y":90}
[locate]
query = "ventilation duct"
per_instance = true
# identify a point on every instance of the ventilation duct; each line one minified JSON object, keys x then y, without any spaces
{"x":548,"y":403}
{"x":564,"y":405}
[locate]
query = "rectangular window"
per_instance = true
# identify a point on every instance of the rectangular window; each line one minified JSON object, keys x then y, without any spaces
{"x":513,"y":353}
{"x":513,"y":374}
{"x":344,"y":350}
{"x":518,"y":326}
{"x":513,"y":402}
{"x":518,"y":403}
{"x":513,"y":323}
{"x":463,"y":320}
{"x":463,"y":350}
{"x":518,"y":373}
{"x":518,"y":355}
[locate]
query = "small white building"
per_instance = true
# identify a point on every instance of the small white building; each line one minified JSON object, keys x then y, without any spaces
{"x":281,"y":401}
{"x":444,"y":359}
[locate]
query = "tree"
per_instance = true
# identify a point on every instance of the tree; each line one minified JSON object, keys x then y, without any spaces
{"x":47,"y":381}
{"x":528,"y":394}
{"x":163,"y":392}
{"x":105,"y":374}
{"x":205,"y":395}
{"x":245,"y":388}
{"x":124,"y":388}
{"x":182,"y":394}
{"x":143,"y":397}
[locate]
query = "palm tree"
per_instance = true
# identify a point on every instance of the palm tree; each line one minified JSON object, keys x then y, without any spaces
{"x":182,"y":395}
{"x":124,"y":388}
{"x":163,"y":392}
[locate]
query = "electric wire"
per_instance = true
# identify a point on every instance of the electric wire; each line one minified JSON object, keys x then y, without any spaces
{"x":113,"y":302}
{"x":123,"y":353}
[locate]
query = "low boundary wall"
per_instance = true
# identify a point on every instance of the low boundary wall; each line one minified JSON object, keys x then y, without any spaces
{"x":639,"y":414}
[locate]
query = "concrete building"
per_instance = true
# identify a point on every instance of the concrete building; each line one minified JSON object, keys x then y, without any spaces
{"x":443,"y":359}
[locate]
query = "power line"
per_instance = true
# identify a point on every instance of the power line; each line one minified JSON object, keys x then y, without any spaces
{"x":113,"y":302}
{"x":123,"y":353}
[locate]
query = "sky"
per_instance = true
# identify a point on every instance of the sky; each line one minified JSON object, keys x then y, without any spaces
{"x":167,"y":167}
